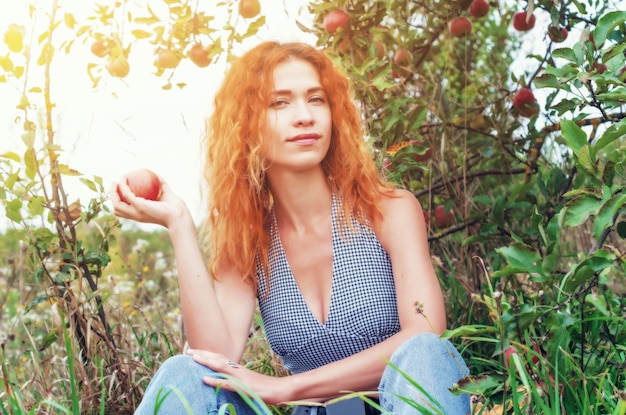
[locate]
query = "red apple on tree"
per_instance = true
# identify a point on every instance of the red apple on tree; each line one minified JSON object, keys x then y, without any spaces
{"x":167,"y":58}
{"x":557,"y":34}
{"x":118,"y":66}
{"x":598,"y":67}
{"x":403,"y":57}
{"x":479,"y":8}
{"x":460,"y":26}
{"x":523,"y":21}
{"x":249,"y":8}
{"x":443,"y":218}
{"x":525,"y":102}
{"x":334,"y":20}
{"x":200,"y":55}
{"x":143,"y":183}
{"x":100,"y":48}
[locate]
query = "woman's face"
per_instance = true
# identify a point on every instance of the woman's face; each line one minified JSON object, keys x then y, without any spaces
{"x":298,"y":129}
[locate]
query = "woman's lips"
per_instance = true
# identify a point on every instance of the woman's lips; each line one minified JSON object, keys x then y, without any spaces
{"x":305,"y":138}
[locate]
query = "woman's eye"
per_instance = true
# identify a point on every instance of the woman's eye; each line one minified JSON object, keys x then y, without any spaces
{"x":317,"y":99}
{"x":278,"y":103}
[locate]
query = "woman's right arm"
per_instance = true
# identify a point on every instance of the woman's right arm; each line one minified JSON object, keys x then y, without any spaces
{"x":217,"y":314}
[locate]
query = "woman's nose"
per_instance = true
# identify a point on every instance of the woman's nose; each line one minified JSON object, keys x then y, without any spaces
{"x":303,"y":113}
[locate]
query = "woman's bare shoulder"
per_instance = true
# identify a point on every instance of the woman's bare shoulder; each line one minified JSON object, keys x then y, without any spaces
{"x":399,"y":201}
{"x":402,"y":219}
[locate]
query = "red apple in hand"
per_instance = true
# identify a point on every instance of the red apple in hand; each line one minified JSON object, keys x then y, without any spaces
{"x":143,"y":183}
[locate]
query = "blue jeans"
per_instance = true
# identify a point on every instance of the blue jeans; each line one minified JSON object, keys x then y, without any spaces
{"x":426,"y":360}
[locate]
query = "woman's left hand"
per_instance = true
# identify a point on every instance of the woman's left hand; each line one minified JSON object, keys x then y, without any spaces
{"x":272,"y":390}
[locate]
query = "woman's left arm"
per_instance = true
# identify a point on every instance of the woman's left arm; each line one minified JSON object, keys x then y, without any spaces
{"x":403,"y":235}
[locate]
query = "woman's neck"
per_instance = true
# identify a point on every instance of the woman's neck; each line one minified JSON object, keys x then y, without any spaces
{"x":302,"y":199}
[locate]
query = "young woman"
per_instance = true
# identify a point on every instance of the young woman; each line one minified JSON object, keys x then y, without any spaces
{"x":302,"y":224}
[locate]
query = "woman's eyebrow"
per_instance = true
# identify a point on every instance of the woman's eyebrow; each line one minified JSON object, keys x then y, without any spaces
{"x":289,"y":91}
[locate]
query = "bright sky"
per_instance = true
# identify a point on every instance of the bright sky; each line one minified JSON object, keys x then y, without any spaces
{"x":143,"y":126}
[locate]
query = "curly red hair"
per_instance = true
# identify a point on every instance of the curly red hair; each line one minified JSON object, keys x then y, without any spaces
{"x":239,"y":204}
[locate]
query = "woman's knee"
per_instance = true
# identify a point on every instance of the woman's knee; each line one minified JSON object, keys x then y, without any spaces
{"x":178,"y":362}
{"x":182,"y":367}
{"x":421,"y":341}
{"x":428,"y":350}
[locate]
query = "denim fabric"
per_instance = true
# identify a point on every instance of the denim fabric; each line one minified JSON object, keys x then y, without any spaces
{"x":179,"y":380}
{"x":431,"y":362}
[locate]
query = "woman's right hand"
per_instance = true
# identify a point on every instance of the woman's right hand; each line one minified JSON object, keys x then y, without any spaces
{"x":165,"y":211}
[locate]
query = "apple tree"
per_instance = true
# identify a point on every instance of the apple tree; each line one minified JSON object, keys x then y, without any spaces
{"x":506,"y":120}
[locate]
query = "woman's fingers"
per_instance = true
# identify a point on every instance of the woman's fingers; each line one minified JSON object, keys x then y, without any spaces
{"x":215,"y":361}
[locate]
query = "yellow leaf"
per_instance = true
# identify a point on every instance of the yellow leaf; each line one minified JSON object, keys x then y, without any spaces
{"x":69,"y":19}
{"x":394,"y":148}
{"x":14,"y":39}
{"x":46,"y":54}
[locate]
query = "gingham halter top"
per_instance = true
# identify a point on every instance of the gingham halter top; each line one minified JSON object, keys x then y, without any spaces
{"x":363,"y":309}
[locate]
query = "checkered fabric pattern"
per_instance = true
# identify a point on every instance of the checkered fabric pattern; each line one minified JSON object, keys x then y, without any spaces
{"x":363,"y":310}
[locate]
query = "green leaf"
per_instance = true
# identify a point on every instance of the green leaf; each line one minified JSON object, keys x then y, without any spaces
{"x":526,"y":316}
{"x":68,"y":171}
{"x":579,"y":210}
{"x":30,"y":160}
{"x":90,"y":184}
{"x":585,"y":160}
{"x":586,"y":269}
{"x":522,"y":257}
{"x":580,"y":275}
{"x":13,"y":210}
{"x":381,"y":83}
{"x":607,"y":214}
{"x":612,"y":133}
{"x":574,"y":136}
{"x":621,"y":229}
{"x":618,"y":94}
{"x":11,"y":156}
{"x":37,"y":300}
{"x":606,"y":24}
{"x":36,"y":205}
{"x":565,"y":53}
{"x":546,"y":81}
{"x":464,"y":331}
{"x":481,"y":385}
{"x":599,"y":302}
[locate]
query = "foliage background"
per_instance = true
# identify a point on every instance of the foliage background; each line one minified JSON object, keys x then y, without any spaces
{"x":531,"y":261}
